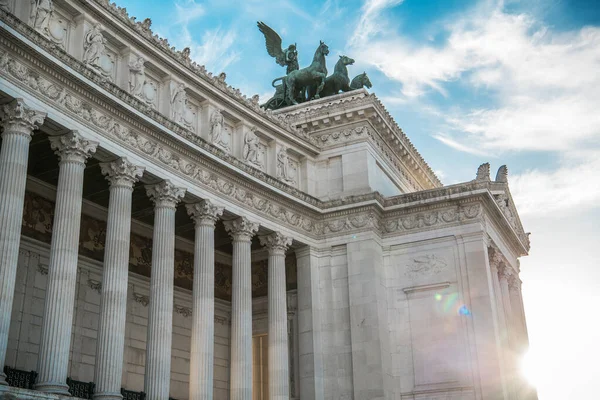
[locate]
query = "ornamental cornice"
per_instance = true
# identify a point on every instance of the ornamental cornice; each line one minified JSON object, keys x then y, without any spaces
{"x":303,"y":114}
{"x":183,"y":61}
{"x":312,"y":218}
{"x":86,"y":105}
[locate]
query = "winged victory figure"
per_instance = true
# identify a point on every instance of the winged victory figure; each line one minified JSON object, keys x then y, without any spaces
{"x":287,"y":57}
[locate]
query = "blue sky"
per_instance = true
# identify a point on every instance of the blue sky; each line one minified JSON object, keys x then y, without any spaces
{"x":505,"y":82}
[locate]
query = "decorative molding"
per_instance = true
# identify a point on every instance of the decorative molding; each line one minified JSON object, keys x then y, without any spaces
{"x":427,"y":265}
{"x":42,"y":269}
{"x":142,"y":299}
{"x":426,"y":288}
{"x":185,"y":311}
{"x":183,"y":58}
{"x":94,"y":285}
{"x":435,"y":218}
{"x":397,"y":140}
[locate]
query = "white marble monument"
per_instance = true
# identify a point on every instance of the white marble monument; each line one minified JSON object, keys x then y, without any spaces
{"x":162,"y":235}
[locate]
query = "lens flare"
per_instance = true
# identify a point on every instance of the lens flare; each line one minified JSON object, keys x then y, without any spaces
{"x":530,"y":369}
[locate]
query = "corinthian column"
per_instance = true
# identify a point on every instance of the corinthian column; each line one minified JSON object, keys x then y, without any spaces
{"x":240,"y":383}
{"x":73,"y":151}
{"x":18,"y":123}
{"x":204,"y":214}
{"x":279,"y":376}
{"x":122,"y":175}
{"x":165,"y":196}
{"x":504,"y":273}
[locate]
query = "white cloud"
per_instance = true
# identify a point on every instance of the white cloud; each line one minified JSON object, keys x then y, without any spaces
{"x":575,"y":185}
{"x":544,"y":84}
{"x":215,"y":50}
{"x":188,"y":11}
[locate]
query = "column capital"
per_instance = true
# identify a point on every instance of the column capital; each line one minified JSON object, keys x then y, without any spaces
{"x":122,"y":173}
{"x":18,"y":117}
{"x":73,"y":147}
{"x":204,"y":212}
{"x":504,"y":271}
{"x":241,"y":229}
{"x":275,"y":242}
{"x":514,"y":283}
{"x":165,"y":194}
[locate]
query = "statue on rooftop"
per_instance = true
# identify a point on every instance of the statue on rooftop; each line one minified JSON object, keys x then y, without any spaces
{"x":287,"y":57}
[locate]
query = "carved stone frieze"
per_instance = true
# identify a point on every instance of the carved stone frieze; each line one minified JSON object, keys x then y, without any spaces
{"x":94,"y":285}
{"x":181,"y":310}
{"x":434,"y":218}
{"x":142,"y":299}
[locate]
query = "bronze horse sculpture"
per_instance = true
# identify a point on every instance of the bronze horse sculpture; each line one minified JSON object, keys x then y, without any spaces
{"x":339,"y":80}
{"x":302,"y":79}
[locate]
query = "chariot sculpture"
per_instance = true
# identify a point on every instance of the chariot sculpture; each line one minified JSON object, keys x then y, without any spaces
{"x":312,"y":82}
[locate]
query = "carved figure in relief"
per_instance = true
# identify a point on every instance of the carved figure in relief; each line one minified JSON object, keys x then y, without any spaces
{"x":283,"y":165}
{"x":251,"y":147}
{"x":425,"y":266}
{"x":39,"y":16}
{"x":178,"y":103}
{"x":94,"y":54}
{"x":217,"y":126}
{"x":137,"y":76}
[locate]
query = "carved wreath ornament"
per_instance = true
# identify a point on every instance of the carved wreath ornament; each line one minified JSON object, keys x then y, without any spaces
{"x":425,"y":266}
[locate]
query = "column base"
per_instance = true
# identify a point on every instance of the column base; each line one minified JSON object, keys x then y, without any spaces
{"x":53,"y":388}
{"x":107,"y":396}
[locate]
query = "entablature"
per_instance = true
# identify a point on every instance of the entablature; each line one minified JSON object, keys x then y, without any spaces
{"x":358,"y":115}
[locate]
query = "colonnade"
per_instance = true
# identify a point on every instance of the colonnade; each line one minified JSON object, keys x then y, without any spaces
{"x":73,"y":150}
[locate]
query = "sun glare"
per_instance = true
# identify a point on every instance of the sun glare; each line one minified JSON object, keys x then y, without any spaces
{"x":530,"y":368}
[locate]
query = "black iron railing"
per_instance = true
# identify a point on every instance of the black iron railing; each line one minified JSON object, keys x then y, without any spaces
{"x":19,"y":378}
{"x":83,"y":390}
{"x":131,"y":395}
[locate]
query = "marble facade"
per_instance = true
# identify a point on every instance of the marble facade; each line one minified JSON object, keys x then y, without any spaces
{"x":154,"y":221}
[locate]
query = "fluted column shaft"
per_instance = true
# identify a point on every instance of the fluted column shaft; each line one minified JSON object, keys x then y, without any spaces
{"x":240,"y":385}
{"x":160,"y":319}
{"x":503,"y":275}
{"x":514,"y":288}
{"x":279,"y":376}
{"x":113,"y":304}
{"x":205,"y":215}
{"x":73,"y":151}
{"x":18,"y":123}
